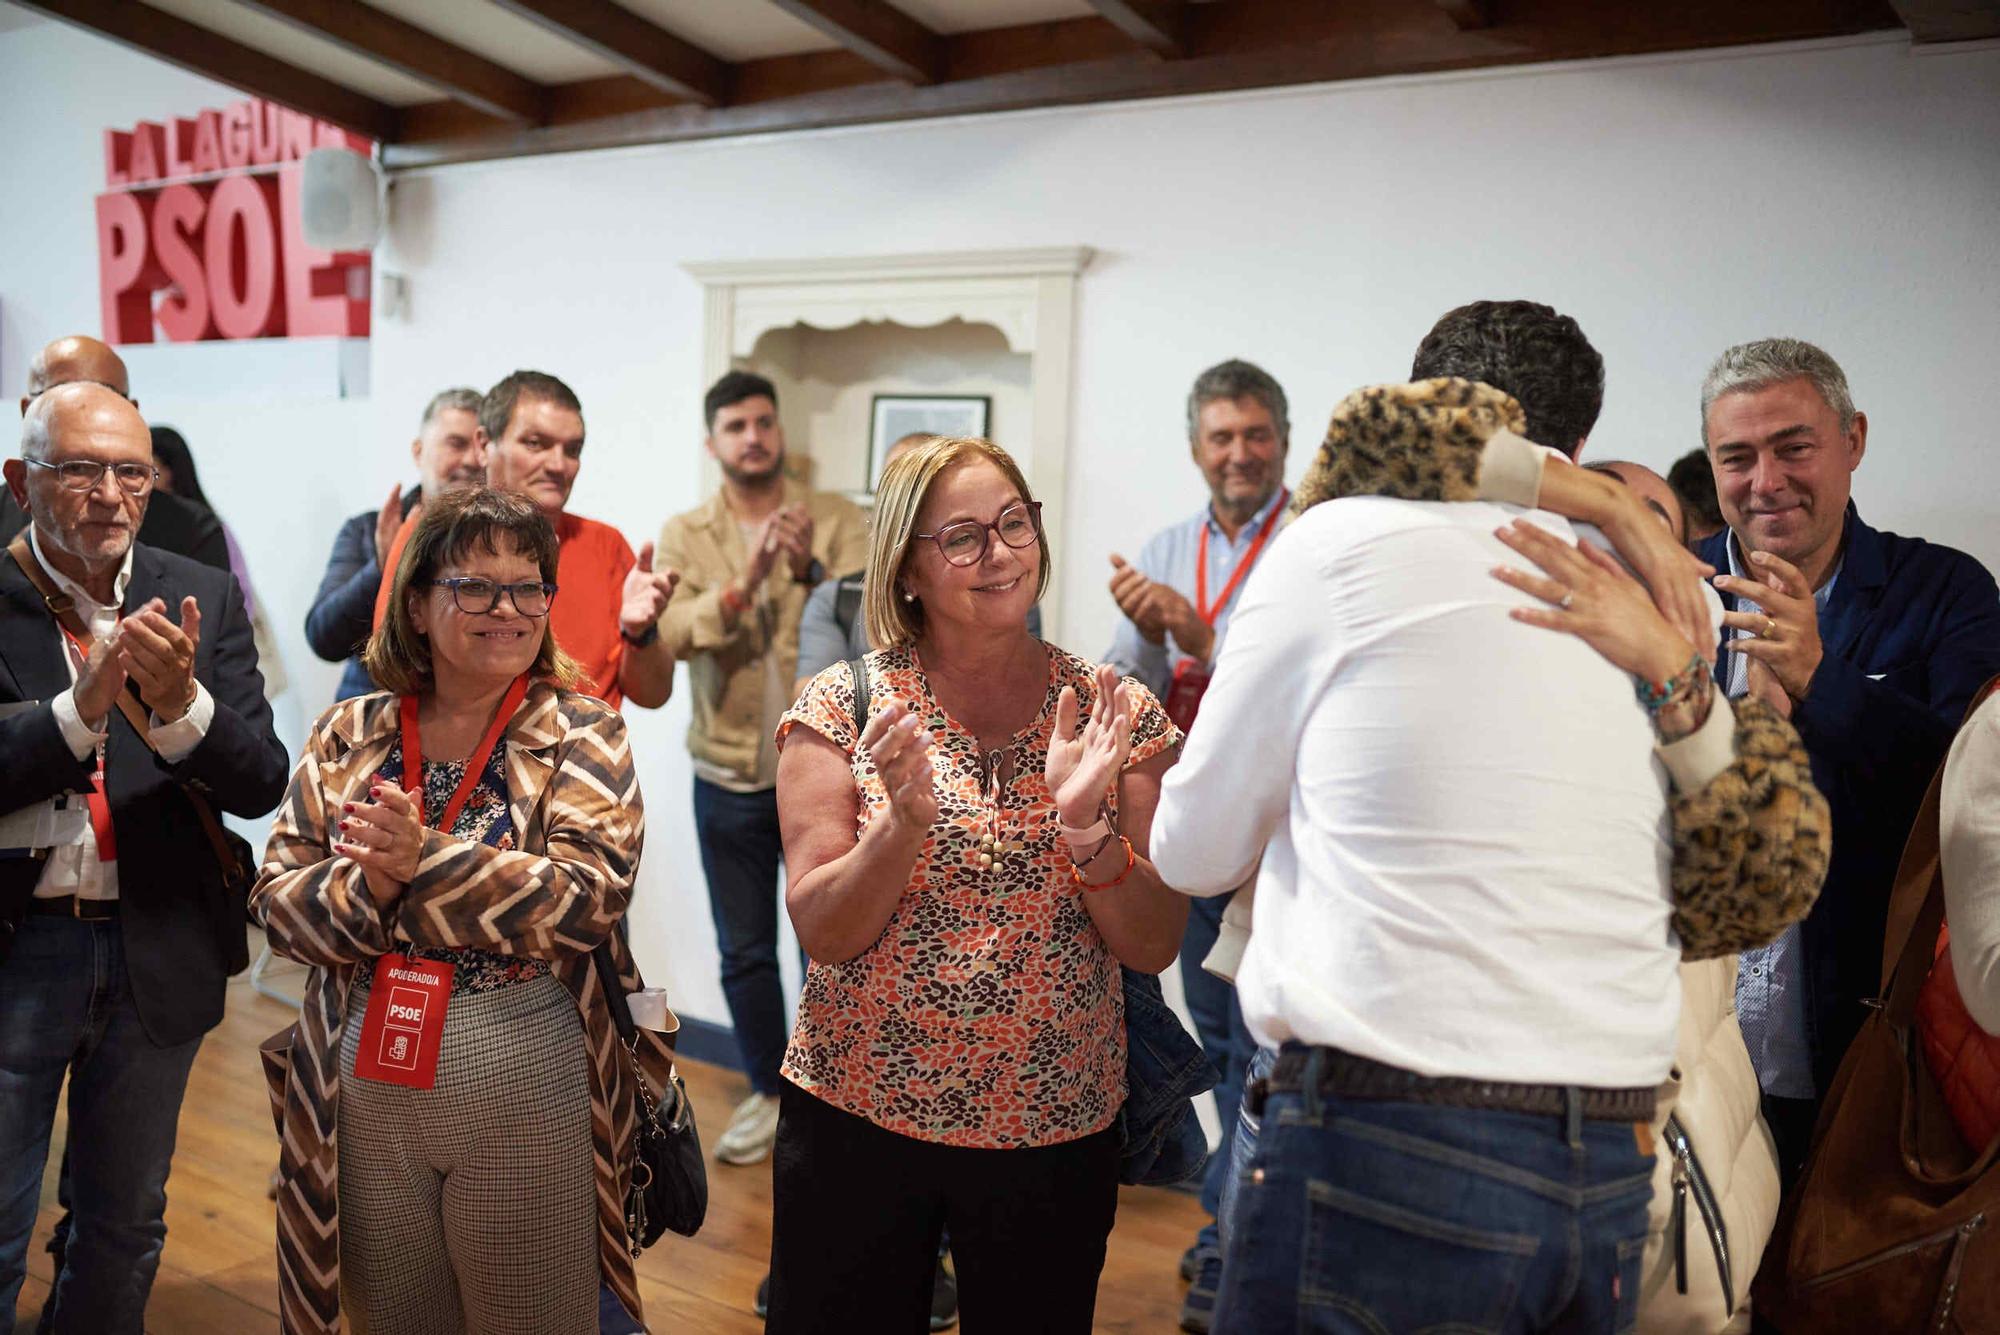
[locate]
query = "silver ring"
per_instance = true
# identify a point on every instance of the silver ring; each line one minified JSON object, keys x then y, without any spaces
{"x":1567,"y":599}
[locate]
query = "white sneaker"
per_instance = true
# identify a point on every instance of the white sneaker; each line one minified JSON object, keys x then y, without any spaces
{"x":750,"y":1132}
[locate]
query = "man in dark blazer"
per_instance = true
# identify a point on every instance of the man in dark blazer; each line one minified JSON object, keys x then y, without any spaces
{"x":171,"y":524}
{"x":112,"y":904}
{"x":1874,"y":644}
{"x":449,"y":453}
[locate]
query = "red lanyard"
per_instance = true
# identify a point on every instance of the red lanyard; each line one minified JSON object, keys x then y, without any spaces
{"x":413,"y":755}
{"x":1208,"y":611}
{"x":100,"y":805}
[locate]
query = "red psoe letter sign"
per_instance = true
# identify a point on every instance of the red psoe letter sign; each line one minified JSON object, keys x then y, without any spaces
{"x":126,"y":274}
{"x":242,"y":254}
{"x":319,"y":284}
{"x":230,"y":252}
{"x":177,"y":229}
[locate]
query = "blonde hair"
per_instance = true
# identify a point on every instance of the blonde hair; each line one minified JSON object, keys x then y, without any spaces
{"x":398,"y":655}
{"x":892,"y":621}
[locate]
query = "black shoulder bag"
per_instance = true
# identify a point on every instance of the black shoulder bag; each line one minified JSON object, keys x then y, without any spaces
{"x":669,"y":1179}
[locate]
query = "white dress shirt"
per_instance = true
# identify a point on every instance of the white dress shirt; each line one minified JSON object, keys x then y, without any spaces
{"x":1463,"y":819}
{"x":1969,"y":855}
{"x":74,"y":868}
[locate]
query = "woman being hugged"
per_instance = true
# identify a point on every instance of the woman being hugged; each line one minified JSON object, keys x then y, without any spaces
{"x":449,"y":853}
{"x":967,"y":872}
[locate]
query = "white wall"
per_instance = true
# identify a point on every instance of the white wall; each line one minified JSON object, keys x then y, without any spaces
{"x":1844,"y":192}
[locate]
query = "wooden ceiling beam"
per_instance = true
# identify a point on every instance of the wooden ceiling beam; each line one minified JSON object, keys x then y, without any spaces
{"x":1157,"y":25}
{"x":1950,"y":20}
{"x":156,"y":33}
{"x":644,"y":50}
{"x":412,"y":51}
{"x":879,"y":33}
{"x":1467,"y":15}
{"x":1230,"y":45}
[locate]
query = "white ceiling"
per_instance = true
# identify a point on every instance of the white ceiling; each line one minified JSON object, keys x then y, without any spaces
{"x":275,"y":38}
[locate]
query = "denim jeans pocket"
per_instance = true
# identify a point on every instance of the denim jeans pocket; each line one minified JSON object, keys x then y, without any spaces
{"x":1376,"y":1265}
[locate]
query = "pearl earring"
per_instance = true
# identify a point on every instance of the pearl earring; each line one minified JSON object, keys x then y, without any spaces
{"x":909,"y":597}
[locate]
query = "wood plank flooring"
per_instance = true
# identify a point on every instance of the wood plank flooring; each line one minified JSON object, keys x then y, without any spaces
{"x":218,"y":1272}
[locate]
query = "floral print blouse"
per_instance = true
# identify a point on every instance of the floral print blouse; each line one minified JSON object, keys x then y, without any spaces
{"x":483,"y":820}
{"x":989,"y":1013}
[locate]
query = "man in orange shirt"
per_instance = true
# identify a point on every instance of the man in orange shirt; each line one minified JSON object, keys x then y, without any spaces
{"x":608,"y":603}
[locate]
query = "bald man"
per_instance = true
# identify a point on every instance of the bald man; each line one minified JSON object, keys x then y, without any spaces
{"x":172,"y":524}
{"x":1651,"y":488}
{"x":117,"y":930}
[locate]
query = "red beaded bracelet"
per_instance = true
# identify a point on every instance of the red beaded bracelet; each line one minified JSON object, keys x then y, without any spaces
{"x":1131,"y":861}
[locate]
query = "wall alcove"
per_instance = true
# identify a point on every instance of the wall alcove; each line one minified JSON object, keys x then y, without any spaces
{"x":832,"y":333}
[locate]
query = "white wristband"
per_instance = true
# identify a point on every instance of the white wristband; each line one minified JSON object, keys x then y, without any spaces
{"x":1080,"y":839}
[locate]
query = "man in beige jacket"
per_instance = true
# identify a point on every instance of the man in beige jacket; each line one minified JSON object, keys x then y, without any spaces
{"x":748,"y":558}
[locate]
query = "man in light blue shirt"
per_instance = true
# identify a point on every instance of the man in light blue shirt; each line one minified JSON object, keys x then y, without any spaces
{"x":1176,"y":602}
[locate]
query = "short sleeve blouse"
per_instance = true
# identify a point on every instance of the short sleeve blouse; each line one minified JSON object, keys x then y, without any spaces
{"x":989,"y":1013}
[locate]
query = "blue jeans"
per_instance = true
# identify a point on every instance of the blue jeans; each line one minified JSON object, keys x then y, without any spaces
{"x":1368,"y":1216}
{"x":740,"y":852}
{"x":1242,"y":1144}
{"x":1218,"y":1023}
{"x":66,"y":1007}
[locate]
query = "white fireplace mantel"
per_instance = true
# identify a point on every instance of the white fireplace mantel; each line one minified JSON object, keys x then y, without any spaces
{"x":1029,"y":295}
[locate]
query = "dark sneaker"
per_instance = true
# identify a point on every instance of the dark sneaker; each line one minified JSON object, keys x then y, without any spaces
{"x":1191,"y":1261}
{"x":762,"y":1307}
{"x":944,"y":1300}
{"x":1198,"y":1308}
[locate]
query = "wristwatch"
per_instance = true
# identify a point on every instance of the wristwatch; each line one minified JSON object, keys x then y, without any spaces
{"x":651,"y":634}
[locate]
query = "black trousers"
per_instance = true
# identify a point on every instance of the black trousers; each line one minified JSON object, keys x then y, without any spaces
{"x":857,"y":1212}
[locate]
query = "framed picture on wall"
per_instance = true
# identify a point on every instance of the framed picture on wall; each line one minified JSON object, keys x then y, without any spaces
{"x":898,"y":415}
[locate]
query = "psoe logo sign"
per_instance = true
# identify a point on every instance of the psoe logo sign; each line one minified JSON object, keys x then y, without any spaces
{"x":204,"y":213}
{"x":406,"y":1008}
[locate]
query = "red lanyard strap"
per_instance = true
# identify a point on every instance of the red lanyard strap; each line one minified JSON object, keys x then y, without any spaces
{"x":98,"y":802}
{"x":413,"y":755}
{"x":1208,"y":611}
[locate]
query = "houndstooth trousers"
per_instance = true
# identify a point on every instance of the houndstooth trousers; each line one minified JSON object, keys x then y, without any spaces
{"x":471,"y":1207}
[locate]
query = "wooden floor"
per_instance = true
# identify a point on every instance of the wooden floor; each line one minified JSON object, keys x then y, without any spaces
{"x":218,"y":1273}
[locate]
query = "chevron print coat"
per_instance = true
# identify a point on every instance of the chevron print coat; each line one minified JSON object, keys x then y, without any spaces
{"x":574,"y":797}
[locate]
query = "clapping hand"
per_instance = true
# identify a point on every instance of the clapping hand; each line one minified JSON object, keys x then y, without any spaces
{"x":388,"y":520}
{"x":1784,"y":638}
{"x":159,"y":656}
{"x":385,"y":839}
{"x":899,"y":745}
{"x":646,"y":593}
{"x":1082,"y":766}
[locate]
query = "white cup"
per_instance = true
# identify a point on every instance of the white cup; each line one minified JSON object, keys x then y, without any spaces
{"x":650,"y":1010}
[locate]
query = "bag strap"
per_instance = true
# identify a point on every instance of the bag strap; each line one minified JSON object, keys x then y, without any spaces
{"x":1918,"y":882}
{"x":63,"y":608}
{"x":859,"y":667}
{"x":614,"y":990}
{"x":1916,"y":912}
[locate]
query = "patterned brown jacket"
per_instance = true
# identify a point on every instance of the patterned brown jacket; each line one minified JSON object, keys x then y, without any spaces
{"x":574,"y":797}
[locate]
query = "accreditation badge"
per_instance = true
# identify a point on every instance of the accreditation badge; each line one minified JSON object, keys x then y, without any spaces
{"x":405,"y":1021}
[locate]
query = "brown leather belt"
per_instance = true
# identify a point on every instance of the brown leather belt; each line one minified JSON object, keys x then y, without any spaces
{"x":69,"y":906}
{"x":1344,"y":1075}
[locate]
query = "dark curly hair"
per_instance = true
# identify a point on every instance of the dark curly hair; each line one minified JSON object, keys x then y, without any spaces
{"x":1526,"y":350}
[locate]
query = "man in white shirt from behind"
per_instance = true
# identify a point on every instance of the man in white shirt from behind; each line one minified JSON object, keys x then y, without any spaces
{"x":1463,"y":933}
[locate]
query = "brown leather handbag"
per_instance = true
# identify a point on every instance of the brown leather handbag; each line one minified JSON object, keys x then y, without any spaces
{"x":1895,"y":1223}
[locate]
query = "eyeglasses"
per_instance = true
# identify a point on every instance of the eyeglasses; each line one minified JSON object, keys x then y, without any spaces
{"x":84,"y":474}
{"x":477,"y":597}
{"x":965,"y":543}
